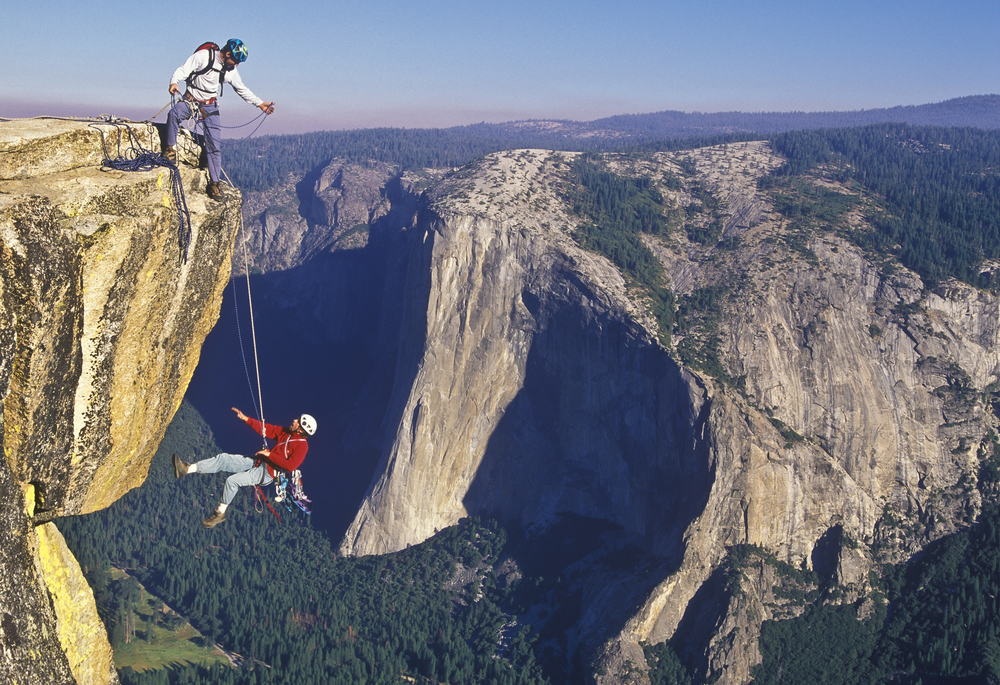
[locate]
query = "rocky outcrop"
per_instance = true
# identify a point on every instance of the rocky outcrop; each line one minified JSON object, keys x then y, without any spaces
{"x":328,"y":210}
{"x":529,"y":382}
{"x":104,"y":314}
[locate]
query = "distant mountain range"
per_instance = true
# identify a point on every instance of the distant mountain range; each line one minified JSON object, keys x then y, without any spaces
{"x":979,"y":111}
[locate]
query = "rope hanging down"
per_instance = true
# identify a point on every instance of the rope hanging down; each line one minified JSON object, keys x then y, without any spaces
{"x":288,"y":487}
{"x":136,"y":158}
{"x":258,"y":400}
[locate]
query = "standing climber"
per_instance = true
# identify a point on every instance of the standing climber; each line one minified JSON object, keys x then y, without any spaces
{"x":287,"y":454}
{"x":203,"y":73}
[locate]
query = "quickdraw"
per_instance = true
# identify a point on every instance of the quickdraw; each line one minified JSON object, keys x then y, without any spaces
{"x":288,"y":490}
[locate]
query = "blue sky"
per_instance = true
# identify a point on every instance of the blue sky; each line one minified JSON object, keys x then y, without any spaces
{"x":336,"y":65}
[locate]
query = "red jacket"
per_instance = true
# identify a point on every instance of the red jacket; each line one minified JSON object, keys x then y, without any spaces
{"x":289,"y":449}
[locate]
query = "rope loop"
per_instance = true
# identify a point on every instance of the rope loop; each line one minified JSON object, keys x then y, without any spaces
{"x":136,"y":158}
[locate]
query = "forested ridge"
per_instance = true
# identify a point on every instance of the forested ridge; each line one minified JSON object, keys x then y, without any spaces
{"x":935,"y":192}
{"x":976,"y":110}
{"x":931,"y":197}
{"x":615,"y":211}
{"x":261,"y":162}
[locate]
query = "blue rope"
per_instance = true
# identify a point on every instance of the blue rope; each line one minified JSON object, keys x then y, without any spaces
{"x":262,"y":114}
{"x":137,"y":158}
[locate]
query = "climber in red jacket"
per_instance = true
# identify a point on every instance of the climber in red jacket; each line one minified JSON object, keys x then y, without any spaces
{"x":287,"y":454}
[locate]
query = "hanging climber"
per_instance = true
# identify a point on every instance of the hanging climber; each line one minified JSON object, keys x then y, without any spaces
{"x":203,"y":73}
{"x":262,"y":468}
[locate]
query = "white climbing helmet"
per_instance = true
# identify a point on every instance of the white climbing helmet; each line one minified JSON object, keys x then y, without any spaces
{"x":307,"y":423}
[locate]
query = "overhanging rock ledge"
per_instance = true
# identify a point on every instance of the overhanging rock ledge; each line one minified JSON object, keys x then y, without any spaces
{"x":103,"y":319}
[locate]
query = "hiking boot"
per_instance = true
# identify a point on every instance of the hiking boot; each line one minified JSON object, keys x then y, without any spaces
{"x":180,"y":467}
{"x":214,"y":190}
{"x":215,"y":519}
{"x":169,"y":153}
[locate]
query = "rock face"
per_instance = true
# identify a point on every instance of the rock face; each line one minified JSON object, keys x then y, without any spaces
{"x":528,"y":382}
{"x":103,"y":320}
{"x":534,"y":390}
{"x":325,"y":211}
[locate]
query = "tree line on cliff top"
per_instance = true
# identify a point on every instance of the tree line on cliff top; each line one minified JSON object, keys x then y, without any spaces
{"x":933,"y":192}
{"x":261,"y":162}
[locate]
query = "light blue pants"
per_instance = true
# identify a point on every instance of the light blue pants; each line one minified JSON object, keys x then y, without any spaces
{"x":242,"y":468}
{"x":211,"y":128}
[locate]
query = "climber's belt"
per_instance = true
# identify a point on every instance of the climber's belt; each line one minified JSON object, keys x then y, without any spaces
{"x":210,"y":101}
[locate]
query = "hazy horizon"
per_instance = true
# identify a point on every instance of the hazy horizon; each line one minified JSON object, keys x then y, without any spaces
{"x":33,"y":109}
{"x":448,"y":63}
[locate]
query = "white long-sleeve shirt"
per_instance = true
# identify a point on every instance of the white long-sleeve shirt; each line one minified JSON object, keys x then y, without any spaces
{"x":206,"y":86}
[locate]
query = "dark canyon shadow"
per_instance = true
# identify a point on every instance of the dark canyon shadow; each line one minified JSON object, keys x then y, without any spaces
{"x":328,"y":344}
{"x":299,"y":373}
{"x":602,"y":454}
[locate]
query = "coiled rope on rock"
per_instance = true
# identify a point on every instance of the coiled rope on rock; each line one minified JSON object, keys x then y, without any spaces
{"x":137,"y":158}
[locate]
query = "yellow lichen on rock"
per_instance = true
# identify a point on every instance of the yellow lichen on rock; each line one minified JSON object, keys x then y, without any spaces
{"x":81,"y":632}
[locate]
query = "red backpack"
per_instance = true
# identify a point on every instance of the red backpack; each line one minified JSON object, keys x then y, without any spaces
{"x":212,"y":48}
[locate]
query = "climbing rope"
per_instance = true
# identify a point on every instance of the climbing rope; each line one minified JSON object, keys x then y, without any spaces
{"x":137,"y":158}
{"x":260,"y":496}
{"x":253,"y":330}
{"x":258,"y":400}
{"x":259,"y":116}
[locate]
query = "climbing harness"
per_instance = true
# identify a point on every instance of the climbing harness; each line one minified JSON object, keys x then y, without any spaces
{"x":213,"y":50}
{"x":136,"y":158}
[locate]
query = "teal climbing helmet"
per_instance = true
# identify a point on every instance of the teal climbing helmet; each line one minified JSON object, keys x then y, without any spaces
{"x":238,"y":49}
